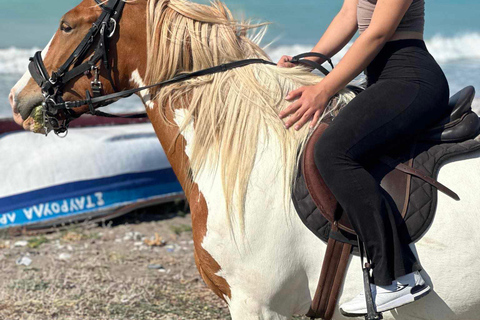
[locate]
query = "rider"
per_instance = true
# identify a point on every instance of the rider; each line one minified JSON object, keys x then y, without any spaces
{"x":406,"y":93}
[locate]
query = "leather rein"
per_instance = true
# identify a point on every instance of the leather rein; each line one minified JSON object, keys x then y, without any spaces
{"x":104,"y":29}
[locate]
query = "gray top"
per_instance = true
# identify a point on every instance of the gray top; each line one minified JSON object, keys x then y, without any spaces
{"x":413,"y":20}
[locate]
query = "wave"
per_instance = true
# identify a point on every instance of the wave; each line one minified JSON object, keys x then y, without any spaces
{"x":445,"y":49}
{"x":14,"y":60}
{"x":476,"y":105}
{"x":462,"y":47}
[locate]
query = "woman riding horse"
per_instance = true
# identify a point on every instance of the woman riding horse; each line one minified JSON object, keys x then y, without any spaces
{"x":406,"y":93}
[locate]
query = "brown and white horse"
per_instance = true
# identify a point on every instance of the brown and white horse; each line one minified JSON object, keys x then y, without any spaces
{"x":235,"y":161}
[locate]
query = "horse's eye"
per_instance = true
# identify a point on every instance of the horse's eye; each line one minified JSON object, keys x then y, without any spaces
{"x":65,"y":27}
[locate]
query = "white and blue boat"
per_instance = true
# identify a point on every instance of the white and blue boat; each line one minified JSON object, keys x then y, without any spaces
{"x":95,"y":173}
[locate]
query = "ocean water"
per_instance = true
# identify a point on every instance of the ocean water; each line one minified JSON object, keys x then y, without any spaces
{"x":452,"y":34}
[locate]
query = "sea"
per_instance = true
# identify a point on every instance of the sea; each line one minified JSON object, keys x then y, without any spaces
{"x":452,"y":35}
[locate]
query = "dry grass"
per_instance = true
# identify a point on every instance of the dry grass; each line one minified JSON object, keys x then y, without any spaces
{"x":107,"y":275}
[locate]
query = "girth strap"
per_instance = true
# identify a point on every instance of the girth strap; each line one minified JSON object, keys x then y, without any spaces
{"x":331,"y":278}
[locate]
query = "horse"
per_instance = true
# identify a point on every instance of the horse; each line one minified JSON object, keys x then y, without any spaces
{"x":236,"y":160}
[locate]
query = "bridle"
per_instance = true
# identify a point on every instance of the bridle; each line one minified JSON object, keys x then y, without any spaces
{"x":52,"y":85}
{"x":104,"y":29}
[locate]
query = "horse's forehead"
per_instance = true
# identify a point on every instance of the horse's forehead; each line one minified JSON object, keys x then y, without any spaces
{"x":86,"y":12}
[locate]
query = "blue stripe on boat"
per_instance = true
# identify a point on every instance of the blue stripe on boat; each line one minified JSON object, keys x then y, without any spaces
{"x":84,"y":196}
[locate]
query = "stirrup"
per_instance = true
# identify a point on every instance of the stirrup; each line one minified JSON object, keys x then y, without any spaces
{"x":372,"y":313}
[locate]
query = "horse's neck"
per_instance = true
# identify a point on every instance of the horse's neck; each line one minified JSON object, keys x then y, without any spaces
{"x":172,"y":143}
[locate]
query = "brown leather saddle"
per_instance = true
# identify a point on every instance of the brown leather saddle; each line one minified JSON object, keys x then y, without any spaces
{"x":407,"y":175}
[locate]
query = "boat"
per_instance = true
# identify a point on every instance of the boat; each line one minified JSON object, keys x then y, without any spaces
{"x":103,"y":169}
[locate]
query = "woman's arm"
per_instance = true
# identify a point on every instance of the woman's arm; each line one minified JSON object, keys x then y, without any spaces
{"x":340,"y":31}
{"x":342,"y":28}
{"x":312,"y":100}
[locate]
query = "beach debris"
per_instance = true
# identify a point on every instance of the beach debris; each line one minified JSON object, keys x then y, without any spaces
{"x":5,"y":244}
{"x":138,"y":243}
{"x":155,"y":241}
{"x":22,"y":243}
{"x":133,"y":235}
{"x":155,"y":266}
{"x":73,"y":236}
{"x":23,"y":261}
{"x":170,"y":248}
{"x":37,"y":242}
{"x":58,"y":245}
{"x":181,"y":228}
{"x":64,"y":256}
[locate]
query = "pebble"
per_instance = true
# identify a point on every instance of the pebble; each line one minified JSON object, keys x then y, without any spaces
{"x":25,"y":261}
{"x":58,"y":245}
{"x":21,"y":243}
{"x":134,"y":235}
{"x":69,"y":248}
{"x":64,"y":256}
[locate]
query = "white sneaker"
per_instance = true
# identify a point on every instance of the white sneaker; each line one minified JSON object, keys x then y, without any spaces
{"x":406,"y":289}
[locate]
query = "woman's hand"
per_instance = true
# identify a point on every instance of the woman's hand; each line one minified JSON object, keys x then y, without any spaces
{"x":284,"y":62}
{"x":311,"y":102}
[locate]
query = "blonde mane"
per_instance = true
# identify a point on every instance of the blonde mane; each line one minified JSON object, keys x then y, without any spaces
{"x":231,"y":109}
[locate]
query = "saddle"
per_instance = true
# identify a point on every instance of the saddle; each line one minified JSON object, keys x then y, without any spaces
{"x":406,"y":174}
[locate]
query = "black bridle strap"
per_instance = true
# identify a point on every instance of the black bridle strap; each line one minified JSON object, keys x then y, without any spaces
{"x":129,"y":116}
{"x":315,"y":65}
{"x":313,"y":54}
{"x":83,"y":47}
{"x":38,"y":71}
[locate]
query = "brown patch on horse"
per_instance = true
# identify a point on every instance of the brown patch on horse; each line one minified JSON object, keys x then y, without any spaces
{"x":174,"y":147}
{"x":206,"y":264}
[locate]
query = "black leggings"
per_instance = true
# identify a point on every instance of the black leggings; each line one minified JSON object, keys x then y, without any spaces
{"x":407,"y":92}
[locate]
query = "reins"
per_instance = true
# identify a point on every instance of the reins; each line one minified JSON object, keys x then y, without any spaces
{"x":183,"y":77}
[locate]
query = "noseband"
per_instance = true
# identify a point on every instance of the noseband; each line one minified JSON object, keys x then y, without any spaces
{"x":103,"y":29}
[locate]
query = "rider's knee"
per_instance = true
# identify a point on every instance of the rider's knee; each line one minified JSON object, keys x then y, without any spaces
{"x":325,"y":152}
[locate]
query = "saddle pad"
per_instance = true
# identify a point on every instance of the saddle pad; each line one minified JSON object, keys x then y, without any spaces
{"x":423,"y":196}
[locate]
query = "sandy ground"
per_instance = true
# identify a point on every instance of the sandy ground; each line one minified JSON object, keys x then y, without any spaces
{"x":140,"y":266}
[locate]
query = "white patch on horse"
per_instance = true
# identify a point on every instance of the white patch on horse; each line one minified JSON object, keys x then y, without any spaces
{"x":144,"y":94}
{"x":259,"y":265}
{"x":20,"y":85}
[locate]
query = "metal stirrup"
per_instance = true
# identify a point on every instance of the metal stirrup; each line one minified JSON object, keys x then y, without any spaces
{"x":372,"y":313}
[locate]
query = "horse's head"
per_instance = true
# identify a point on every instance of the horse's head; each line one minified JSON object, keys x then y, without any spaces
{"x":126,"y":54}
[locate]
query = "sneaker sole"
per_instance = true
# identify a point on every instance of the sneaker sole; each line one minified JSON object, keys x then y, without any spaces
{"x":416,"y":293}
